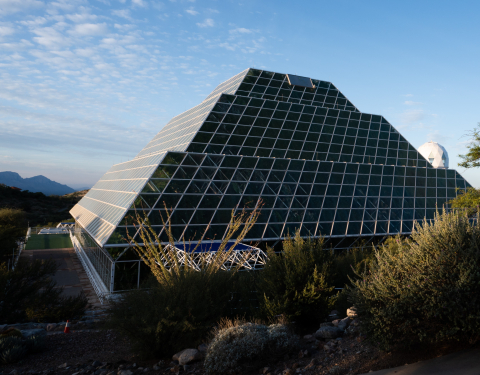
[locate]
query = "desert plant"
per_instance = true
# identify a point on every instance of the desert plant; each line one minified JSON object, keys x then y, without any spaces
{"x":29,"y":293}
{"x":192,"y":299}
{"x":423,"y":289}
{"x":241,"y":346}
{"x":12,"y":349}
{"x":13,"y":227}
{"x":297,"y":282}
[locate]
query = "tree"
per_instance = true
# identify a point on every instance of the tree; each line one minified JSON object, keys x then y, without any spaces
{"x":472,"y":158}
{"x":468,"y":200}
{"x":12,"y":228}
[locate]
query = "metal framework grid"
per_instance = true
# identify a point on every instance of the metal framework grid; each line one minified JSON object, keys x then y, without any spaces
{"x":250,"y":258}
{"x":318,"y":164}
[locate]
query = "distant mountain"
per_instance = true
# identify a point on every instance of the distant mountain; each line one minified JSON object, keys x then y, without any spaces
{"x":34,"y":184}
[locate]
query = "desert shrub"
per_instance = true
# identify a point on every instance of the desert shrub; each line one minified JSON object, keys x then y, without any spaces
{"x":297,"y":282}
{"x":347,"y":264}
{"x":424,"y":289}
{"x":12,"y":349}
{"x":165,"y":319}
{"x":184,"y":301}
{"x":245,"y":346}
{"x":13,"y":227}
{"x":29,"y":293}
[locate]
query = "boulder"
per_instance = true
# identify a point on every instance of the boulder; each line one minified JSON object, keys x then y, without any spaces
{"x":202,"y":348}
{"x":328,"y":332}
{"x":187,"y":356}
{"x":309,"y":338}
{"x":326,"y":324}
{"x":51,"y":327}
{"x":352,"y":312}
{"x":344,"y":323}
{"x":26,"y":333}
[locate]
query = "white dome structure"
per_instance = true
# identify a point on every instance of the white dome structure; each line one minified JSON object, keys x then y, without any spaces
{"x":435,"y":154}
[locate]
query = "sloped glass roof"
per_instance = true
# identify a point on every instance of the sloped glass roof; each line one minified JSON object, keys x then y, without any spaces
{"x":317,"y":163}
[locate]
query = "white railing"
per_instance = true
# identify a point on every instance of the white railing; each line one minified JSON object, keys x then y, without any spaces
{"x":95,"y":279}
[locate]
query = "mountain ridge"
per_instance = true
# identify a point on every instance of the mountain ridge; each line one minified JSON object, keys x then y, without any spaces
{"x":34,"y":184}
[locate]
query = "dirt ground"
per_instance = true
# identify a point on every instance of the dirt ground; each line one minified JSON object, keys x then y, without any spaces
{"x":77,"y":352}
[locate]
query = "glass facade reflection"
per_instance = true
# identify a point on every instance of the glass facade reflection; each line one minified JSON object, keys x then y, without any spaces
{"x":317,"y":163}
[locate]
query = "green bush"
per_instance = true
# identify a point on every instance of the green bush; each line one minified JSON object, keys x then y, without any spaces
{"x":29,"y":294}
{"x":13,"y":227}
{"x":12,"y":349}
{"x":242,"y":347}
{"x":297,"y":283}
{"x":165,"y":319}
{"x":424,"y":289}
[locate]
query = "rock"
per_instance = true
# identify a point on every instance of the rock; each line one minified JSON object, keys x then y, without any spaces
{"x":3,"y":327}
{"x":95,"y":364}
{"x":288,"y":371}
{"x":63,"y":366}
{"x":186,"y":367}
{"x":175,"y":368}
{"x":266,"y":370}
{"x":187,"y":356}
{"x":328,"y":333}
{"x":51,"y":327}
{"x":335,"y":322}
{"x":124,"y":372}
{"x":309,"y":338}
{"x":344,"y":323}
{"x":326,"y":324}
{"x":352,"y":312}
{"x":33,"y":332}
{"x":202,"y":348}
{"x":156,"y":368}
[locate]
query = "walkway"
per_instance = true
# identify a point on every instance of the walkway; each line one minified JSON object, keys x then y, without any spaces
{"x":70,"y":274}
{"x":465,"y":362}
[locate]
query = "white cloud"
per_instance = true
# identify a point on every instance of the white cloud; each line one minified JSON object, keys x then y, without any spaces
{"x":13,"y":6}
{"x":81,"y":17}
{"x":241,"y":30}
{"x":124,"y":13}
{"x":412,"y":116}
{"x":207,"y":23}
{"x":50,"y":38}
{"x":139,"y":3}
{"x":6,"y":30}
{"x":89,"y":29}
{"x":35,"y":22}
{"x":192,"y":12}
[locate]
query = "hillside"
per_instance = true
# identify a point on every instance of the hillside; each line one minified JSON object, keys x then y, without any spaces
{"x":39,"y":208}
{"x":34,"y":184}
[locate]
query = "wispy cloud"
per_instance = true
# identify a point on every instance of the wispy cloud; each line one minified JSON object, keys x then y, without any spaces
{"x":89,"y":29}
{"x":241,"y":30}
{"x":14,"y":6}
{"x":192,"y":12}
{"x":207,"y":23}
{"x":124,"y":13}
{"x":412,"y":116}
{"x":139,"y":3}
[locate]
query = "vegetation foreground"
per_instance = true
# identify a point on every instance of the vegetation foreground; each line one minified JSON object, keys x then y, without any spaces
{"x":414,"y":299}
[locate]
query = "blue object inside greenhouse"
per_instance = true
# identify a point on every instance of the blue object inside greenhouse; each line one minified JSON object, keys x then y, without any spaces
{"x":212,"y":247}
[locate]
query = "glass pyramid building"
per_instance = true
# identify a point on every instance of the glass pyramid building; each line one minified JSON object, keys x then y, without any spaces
{"x":317,"y":162}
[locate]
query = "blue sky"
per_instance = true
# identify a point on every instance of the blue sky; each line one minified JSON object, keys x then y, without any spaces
{"x":86,"y":84}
